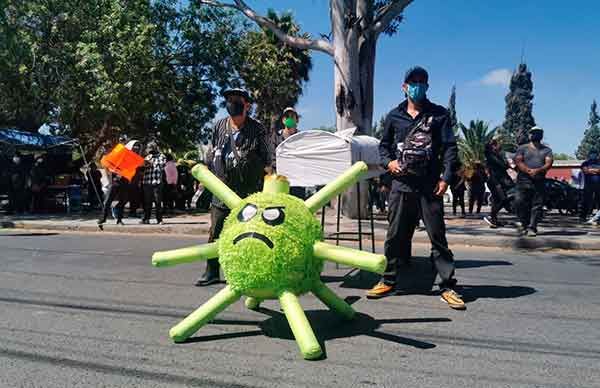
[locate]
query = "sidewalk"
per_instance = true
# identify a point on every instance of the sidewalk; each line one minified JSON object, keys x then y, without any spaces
{"x":556,"y":232}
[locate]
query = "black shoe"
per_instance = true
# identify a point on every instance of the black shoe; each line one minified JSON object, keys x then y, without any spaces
{"x":210,"y":276}
{"x":491,"y":222}
{"x":144,"y":222}
{"x":207,"y":279}
{"x":532,"y":232}
{"x":120,"y":222}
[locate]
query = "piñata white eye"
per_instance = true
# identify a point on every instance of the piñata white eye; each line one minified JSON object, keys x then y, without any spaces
{"x":273,"y":216}
{"x":247,"y":213}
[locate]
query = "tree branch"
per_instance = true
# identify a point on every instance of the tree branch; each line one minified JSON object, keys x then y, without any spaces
{"x":386,"y":15}
{"x":301,"y":43}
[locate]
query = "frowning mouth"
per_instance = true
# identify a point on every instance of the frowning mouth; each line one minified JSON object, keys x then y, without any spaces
{"x":255,"y":235}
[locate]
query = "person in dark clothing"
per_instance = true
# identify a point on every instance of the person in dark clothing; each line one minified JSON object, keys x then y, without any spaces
{"x":591,"y":185}
{"x":458,"y":192}
{"x":476,"y":187}
{"x":135,"y":195}
{"x":418,"y":148}
{"x":153,"y":182}
{"x":118,"y":192}
{"x":17,"y":186}
{"x":241,"y":154}
{"x":185,"y":187}
{"x":94,"y":186}
{"x":533,"y":161}
{"x":39,"y":185}
{"x":499,"y":182}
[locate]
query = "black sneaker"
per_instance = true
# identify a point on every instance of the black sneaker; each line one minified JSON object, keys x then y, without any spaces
{"x":492,"y":223}
{"x":120,"y":222}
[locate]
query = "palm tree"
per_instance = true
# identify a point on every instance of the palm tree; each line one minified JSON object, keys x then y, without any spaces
{"x":471,"y":145}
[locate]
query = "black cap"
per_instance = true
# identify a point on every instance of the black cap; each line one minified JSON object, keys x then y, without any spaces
{"x":416,"y":71}
{"x":238,"y":92}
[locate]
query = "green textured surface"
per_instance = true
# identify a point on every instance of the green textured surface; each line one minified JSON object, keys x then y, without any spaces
{"x":185,"y":255}
{"x":289,"y":265}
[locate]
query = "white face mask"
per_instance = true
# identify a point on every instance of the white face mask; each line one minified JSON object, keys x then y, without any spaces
{"x":16,"y":160}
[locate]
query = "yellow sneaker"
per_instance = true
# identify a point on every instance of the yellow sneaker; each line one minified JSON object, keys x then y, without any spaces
{"x":380,"y":290}
{"x":454,"y":300}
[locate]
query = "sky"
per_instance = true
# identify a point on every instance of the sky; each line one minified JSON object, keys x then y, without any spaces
{"x":475,"y":45}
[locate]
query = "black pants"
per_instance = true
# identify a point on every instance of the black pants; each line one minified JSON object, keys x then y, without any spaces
{"x":17,"y":200}
{"x":591,"y":192}
{"x":530,"y":202}
{"x":458,"y":199}
{"x":404,"y":212}
{"x":153,"y":194}
{"x":118,"y":191}
{"x":217,"y":219}
{"x":476,"y":196}
{"x":499,"y":198}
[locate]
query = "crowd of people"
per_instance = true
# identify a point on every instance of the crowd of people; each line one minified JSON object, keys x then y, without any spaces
{"x":160,"y":184}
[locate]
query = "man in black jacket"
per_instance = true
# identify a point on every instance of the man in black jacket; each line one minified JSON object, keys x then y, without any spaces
{"x":499,"y":182}
{"x":419,"y":149}
{"x":240,"y":157}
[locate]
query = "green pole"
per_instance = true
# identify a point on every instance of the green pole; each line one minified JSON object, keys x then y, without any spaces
{"x":334,"y":302}
{"x":193,"y":322}
{"x":305,"y":338}
{"x":185,"y":255}
{"x":341,"y":183}
{"x":351,"y":257}
{"x":216,"y":186}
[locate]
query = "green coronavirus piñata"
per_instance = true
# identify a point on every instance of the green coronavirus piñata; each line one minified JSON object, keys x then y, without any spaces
{"x":271,"y":248}
{"x":266,"y":246}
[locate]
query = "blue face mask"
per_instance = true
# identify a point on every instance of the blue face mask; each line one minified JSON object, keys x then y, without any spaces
{"x":417,"y":91}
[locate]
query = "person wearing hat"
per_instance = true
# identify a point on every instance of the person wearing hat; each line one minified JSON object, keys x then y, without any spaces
{"x":153,"y":180}
{"x":418,"y":148}
{"x":289,"y":120}
{"x":533,"y":160}
{"x":241,"y":155}
{"x":499,"y":182}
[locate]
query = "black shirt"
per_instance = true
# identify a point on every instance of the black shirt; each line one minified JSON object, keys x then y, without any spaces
{"x":398,"y":123}
{"x":591,"y":179}
{"x":244,"y":176}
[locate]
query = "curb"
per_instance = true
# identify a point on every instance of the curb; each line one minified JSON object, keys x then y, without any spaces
{"x":516,"y":242}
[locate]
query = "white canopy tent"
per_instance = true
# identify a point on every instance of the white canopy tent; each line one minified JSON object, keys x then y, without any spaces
{"x":313,"y":158}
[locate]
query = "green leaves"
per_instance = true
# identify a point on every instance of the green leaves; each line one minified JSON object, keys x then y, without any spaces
{"x":273,"y":71}
{"x":471,"y":145}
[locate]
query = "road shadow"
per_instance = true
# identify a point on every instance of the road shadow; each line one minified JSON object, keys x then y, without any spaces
{"x":471,"y":293}
{"x":329,"y":326}
{"x":416,"y":276}
{"x":463,"y":264}
{"x":27,"y":234}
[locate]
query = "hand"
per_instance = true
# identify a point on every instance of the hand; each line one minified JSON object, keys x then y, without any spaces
{"x":440,"y":188}
{"x":394,"y":167}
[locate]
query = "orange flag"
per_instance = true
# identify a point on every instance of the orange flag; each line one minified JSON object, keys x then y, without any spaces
{"x":122,"y":161}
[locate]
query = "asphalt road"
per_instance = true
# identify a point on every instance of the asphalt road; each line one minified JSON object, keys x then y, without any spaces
{"x":90,"y":311}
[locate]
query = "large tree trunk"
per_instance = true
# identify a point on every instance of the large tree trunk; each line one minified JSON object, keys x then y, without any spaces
{"x":354,"y":63}
{"x":348,"y":96}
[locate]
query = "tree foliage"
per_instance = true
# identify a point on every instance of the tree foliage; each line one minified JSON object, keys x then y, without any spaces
{"x":101,"y":68}
{"x":452,"y":111}
{"x":591,"y":136}
{"x":519,"y":106}
{"x":272,"y":70}
{"x":471,"y":144}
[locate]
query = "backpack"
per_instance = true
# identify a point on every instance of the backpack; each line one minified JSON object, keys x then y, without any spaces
{"x":416,"y":152}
